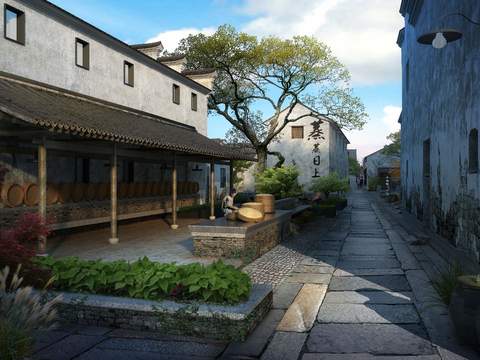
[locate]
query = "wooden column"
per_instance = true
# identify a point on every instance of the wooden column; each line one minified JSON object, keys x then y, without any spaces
{"x":174,"y":224}
{"x":212,"y":190}
{"x":42,"y":201}
{"x":113,"y":197}
{"x":231,"y":175}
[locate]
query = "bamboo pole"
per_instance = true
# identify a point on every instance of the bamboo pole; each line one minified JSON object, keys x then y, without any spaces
{"x":113,"y":197}
{"x":42,"y":203}
{"x":212,"y":190}
{"x":174,"y":224}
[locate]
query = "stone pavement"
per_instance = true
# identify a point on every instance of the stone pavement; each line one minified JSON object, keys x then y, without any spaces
{"x":354,"y":289}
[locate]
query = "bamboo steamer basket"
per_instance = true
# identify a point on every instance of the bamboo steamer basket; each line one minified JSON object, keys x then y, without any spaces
{"x":131,"y":190}
{"x":255,"y":205}
{"x":65,"y":192}
{"x":13,"y":195}
{"x":248,"y":214}
{"x":232,"y":216}
{"x":78,"y":193}
{"x":52,"y":194}
{"x":268,"y":201}
{"x":90,"y":191}
{"x":102,"y":191}
{"x":31,"y":194}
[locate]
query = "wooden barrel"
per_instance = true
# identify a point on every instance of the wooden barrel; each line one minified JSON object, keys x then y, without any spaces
{"x":78,"y":193}
{"x":123,"y":190}
{"x":248,"y":214}
{"x":255,"y":205}
{"x":65,"y":192}
{"x":31,"y":194}
{"x":196,"y":187}
{"x":103,"y":191}
{"x":52,"y":194}
{"x":268,"y":201}
{"x":139,"y":189}
{"x":90,"y":191}
{"x":131,"y":190}
{"x":13,"y":195}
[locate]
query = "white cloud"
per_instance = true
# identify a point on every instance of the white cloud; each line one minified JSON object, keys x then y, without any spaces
{"x":390,"y":118}
{"x":361,"y":33}
{"x":171,"y":38}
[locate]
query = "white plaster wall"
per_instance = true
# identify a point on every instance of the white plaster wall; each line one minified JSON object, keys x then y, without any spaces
{"x":378,"y":160}
{"x":441,"y":104}
{"x":49,"y":56}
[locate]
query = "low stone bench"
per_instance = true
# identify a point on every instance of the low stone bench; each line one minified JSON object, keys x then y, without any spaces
{"x":220,"y":322}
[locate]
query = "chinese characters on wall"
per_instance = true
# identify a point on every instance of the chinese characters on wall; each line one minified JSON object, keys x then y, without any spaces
{"x":316,"y":134}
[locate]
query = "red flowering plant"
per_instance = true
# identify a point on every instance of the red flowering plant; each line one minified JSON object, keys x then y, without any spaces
{"x":17,"y":246}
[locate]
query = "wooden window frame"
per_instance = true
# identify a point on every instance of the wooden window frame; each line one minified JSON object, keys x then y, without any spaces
{"x":473,"y":151}
{"x":223,"y":177}
{"x":20,"y":24}
{"x":294,"y":128}
{"x":194,"y":101}
{"x":175,"y":98}
{"x":130,"y":79}
{"x":85,"y":54}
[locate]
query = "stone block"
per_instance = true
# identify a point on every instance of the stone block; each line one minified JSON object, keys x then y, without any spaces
{"x":68,"y":348}
{"x":368,"y":297}
{"x":366,"y":272}
{"x":384,"y":283}
{"x":284,"y":294}
{"x":308,"y":278}
{"x":284,"y":346}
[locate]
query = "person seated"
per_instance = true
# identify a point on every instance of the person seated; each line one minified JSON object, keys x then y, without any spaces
{"x":228,"y":204}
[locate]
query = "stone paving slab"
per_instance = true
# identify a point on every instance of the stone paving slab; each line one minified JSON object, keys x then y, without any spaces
{"x":44,"y":338}
{"x":314,"y":269}
{"x":164,"y":347}
{"x":368,"y":313}
{"x":368,"y":264}
{"x":110,"y":354}
{"x":377,"y":250}
{"x":406,"y":257}
{"x":366,"y":240}
{"x":363,"y":272}
{"x":68,"y":347}
{"x":257,"y":340}
{"x":370,"y":297}
{"x":312,"y":356}
{"x":387,"y":283}
{"x":285,"y":346}
{"x":323,"y":261}
{"x":308,"y":278}
{"x":284,"y":294}
{"x":381,"y":339}
{"x":301,"y":315}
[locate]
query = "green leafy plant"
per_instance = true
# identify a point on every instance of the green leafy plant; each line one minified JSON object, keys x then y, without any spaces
{"x":21,"y":313}
{"x":330,"y":183}
{"x":281,"y":182}
{"x":447,"y":281}
{"x":373,"y":183}
{"x":145,"y":279}
{"x":353,"y":167}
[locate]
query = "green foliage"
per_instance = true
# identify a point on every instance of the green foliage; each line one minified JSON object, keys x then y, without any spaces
{"x":446,"y":282}
{"x":239,"y":167}
{"x":330,"y":183}
{"x":353,"y":167}
{"x":145,"y":279}
{"x":279,"y":73}
{"x":373,"y":183}
{"x":394,"y":147}
{"x":281,"y":182}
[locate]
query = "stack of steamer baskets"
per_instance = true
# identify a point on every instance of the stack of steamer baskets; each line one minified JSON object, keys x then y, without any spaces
{"x":255,"y":211}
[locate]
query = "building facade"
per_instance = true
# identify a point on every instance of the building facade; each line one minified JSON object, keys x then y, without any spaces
{"x":440,"y":121}
{"x":379,"y":165}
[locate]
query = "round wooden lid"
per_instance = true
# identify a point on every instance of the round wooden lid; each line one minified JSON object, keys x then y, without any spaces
{"x":248,"y":214}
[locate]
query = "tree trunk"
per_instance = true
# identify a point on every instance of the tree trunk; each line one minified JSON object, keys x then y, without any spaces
{"x":262,"y":159}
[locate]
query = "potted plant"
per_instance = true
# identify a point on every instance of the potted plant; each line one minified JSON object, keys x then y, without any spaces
{"x":465,"y":309}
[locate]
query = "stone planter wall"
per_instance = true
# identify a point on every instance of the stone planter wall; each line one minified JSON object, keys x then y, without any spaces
{"x":201,"y":320}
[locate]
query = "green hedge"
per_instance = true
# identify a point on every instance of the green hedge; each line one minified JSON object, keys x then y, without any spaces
{"x":145,"y":279}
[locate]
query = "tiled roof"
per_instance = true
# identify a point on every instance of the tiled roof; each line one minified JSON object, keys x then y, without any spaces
{"x":67,"y":112}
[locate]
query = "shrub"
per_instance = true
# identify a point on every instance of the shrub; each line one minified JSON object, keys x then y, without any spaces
{"x":330,"y":183}
{"x":447,"y":281}
{"x":281,"y":182}
{"x":21,"y":313}
{"x":145,"y":279}
{"x":373,"y":183}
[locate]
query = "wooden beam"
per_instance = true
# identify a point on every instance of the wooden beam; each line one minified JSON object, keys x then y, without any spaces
{"x":212,"y":190}
{"x":113,"y":197}
{"x":42,"y":202}
{"x":174,"y":224}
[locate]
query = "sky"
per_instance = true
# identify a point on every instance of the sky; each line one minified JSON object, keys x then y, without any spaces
{"x":361,"y":33}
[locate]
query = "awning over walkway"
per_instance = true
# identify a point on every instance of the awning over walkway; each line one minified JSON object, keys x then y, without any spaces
{"x":66,"y":112}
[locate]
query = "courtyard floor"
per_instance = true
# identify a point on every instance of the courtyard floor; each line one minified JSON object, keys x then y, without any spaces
{"x":349,"y":288}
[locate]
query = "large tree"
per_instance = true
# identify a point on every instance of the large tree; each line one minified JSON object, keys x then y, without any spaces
{"x":394,"y":147}
{"x":278,"y":72}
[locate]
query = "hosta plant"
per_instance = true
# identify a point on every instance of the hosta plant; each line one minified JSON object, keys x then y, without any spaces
{"x":22,"y":311}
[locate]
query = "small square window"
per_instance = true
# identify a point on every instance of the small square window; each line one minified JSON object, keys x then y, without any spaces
{"x":82,"y":54}
{"x":194,"y":102}
{"x":176,"y":94}
{"x":14,"y":24}
{"x":128,"y":73}
{"x":297,"y":132}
